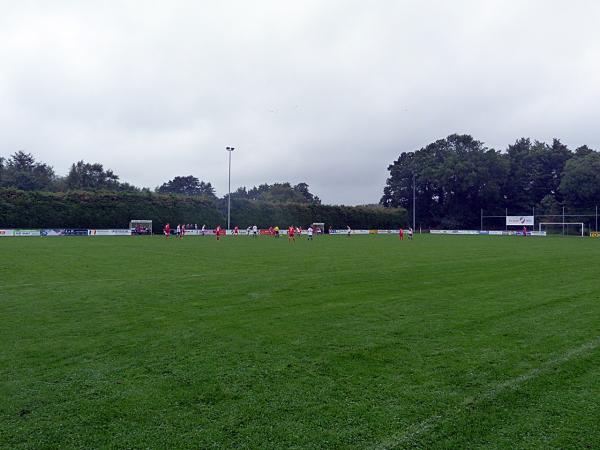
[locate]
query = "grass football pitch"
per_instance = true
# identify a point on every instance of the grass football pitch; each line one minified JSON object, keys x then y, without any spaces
{"x":361,"y":342}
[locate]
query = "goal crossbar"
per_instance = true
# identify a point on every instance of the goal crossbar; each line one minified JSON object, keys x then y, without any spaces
{"x":563,"y":224}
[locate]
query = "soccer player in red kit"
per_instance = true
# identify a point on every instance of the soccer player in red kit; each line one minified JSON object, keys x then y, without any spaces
{"x":167,"y":230}
{"x":401,"y":234}
{"x":525,"y":231}
{"x":218,"y":231}
{"x":291,"y":234}
{"x":236,"y":230}
{"x":182,"y":232}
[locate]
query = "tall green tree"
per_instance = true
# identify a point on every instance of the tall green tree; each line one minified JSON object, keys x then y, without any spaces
{"x":580,"y":184}
{"x":278,"y":192}
{"x":535,"y":172}
{"x":188,"y":185}
{"x":86,"y":176}
{"x":22,"y":171}
{"x":454,"y":178}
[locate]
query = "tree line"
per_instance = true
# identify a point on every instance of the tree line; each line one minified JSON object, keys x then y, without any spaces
{"x":456,"y":177}
{"x":106,"y":209}
{"x":90,"y":196}
{"x":21,"y":171}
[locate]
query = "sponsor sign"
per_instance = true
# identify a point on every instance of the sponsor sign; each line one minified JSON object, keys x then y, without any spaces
{"x":522,"y":221}
{"x":116,"y":232}
{"x":53,"y":232}
{"x":345,"y":231}
{"x":461,"y":232}
{"x":7,"y":233}
{"x":488,"y":233}
{"x":536,"y":233}
{"x":27,"y":232}
{"x":76,"y":232}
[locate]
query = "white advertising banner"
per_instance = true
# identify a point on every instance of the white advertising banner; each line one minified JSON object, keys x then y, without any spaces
{"x":7,"y":233}
{"x":53,"y":232}
{"x":519,"y":221}
{"x":27,"y":232}
{"x":121,"y":232}
{"x":454,"y":231}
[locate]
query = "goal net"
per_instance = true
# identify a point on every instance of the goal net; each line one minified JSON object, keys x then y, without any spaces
{"x":563,"y":228}
{"x":138,"y":226}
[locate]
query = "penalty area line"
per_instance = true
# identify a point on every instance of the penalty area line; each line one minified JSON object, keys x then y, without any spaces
{"x":417,"y":429}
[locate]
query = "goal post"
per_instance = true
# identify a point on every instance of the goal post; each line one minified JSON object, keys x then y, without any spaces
{"x":563,"y":225}
{"x":139,"y":226}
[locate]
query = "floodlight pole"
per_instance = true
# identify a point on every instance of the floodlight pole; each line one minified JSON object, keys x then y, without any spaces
{"x":414,"y":203}
{"x":229,"y":150}
{"x":563,"y":221}
{"x":596,"y":218}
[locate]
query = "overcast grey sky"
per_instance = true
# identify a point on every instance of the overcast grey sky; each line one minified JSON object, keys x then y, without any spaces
{"x":322,"y":91}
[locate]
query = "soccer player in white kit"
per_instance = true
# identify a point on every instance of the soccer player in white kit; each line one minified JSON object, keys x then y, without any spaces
{"x":310,"y":233}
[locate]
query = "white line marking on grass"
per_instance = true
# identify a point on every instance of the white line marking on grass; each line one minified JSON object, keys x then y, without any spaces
{"x":417,"y":429}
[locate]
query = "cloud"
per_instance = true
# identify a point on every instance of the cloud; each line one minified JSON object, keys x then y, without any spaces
{"x":327,"y":92}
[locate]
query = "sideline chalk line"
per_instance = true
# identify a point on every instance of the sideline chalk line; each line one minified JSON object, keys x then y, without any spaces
{"x":417,"y":429}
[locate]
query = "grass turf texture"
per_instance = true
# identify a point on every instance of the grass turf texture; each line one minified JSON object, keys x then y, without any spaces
{"x":365,"y":342}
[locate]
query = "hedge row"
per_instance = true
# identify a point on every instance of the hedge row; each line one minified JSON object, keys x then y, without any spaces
{"x":85,"y":209}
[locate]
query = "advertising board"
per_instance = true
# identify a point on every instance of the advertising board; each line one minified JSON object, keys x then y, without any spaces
{"x":53,"y":232}
{"x":76,"y":232}
{"x":27,"y":233}
{"x":7,"y":233}
{"x":458,"y":232}
{"x":515,"y":221}
{"x":115,"y":232}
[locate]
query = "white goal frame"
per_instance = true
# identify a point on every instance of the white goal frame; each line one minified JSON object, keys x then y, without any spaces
{"x":563,"y":224}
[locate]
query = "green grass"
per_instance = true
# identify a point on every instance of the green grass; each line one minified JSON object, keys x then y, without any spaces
{"x":367,"y":342}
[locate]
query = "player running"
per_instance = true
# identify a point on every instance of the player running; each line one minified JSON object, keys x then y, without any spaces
{"x":254,"y":231}
{"x":410,"y":234}
{"x":218,"y":231}
{"x":182,"y":232}
{"x":310,"y":233}
{"x":167,"y":231}
{"x":349,"y":231}
{"x":236,"y":231}
{"x":291,"y":234}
